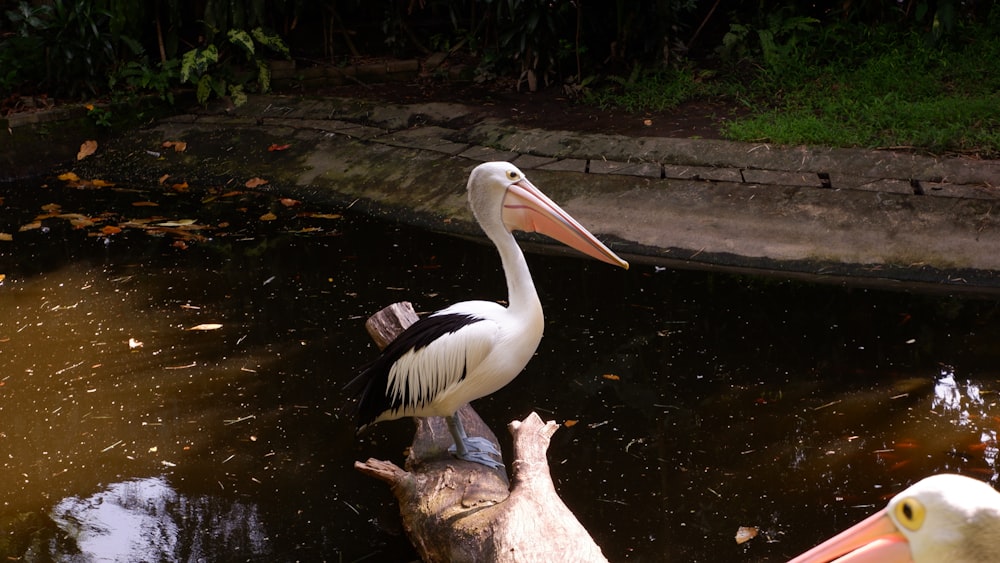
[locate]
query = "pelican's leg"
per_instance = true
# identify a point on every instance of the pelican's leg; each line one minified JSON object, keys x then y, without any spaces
{"x":473,"y":449}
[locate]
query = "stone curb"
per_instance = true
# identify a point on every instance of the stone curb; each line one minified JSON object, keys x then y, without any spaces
{"x":881,"y":216}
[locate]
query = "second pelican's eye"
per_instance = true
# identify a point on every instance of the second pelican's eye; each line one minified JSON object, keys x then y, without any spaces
{"x":513,"y":176}
{"x":910,"y":514}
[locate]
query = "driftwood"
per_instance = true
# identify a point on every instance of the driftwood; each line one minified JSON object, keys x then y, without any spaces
{"x":455,"y":510}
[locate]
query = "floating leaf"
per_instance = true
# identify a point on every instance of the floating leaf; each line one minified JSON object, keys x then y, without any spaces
{"x":30,"y":226}
{"x":52,"y":208}
{"x":611,"y":377}
{"x":69,"y":177}
{"x":110,"y":230}
{"x":77,"y":220}
{"x":6,"y":237}
{"x":178,"y":223}
{"x":255,"y":182}
{"x":101,"y":184}
{"x":178,"y":146}
{"x":144,"y":204}
{"x":206,"y":326}
{"x":324,"y":215}
{"x":163,"y":179}
{"x":86,"y":149}
{"x":570,"y":423}
{"x":182,"y":187}
{"x":745,"y":534}
{"x":289,"y":202}
{"x":133,"y":344}
{"x":277,"y":147}
{"x":268,"y":217}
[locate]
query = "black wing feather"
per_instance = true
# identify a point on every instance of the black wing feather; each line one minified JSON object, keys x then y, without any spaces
{"x":370,"y":385}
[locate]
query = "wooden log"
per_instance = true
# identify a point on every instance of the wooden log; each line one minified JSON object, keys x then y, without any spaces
{"x":455,"y":510}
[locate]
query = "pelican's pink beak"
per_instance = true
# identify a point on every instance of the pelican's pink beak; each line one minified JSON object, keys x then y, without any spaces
{"x":526,"y":208}
{"x":873,"y":540}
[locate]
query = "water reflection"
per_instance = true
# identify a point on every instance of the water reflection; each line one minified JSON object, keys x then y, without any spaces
{"x":736,"y":401}
{"x":147,"y":520}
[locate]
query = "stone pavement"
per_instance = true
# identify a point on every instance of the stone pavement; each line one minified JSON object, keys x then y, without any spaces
{"x":879,"y":217}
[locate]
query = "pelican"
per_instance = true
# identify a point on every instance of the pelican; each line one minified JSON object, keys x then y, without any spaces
{"x":474,"y":348}
{"x":945,"y":517}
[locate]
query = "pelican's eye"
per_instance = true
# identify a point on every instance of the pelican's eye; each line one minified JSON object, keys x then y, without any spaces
{"x":910,"y":514}
{"x":513,"y":176}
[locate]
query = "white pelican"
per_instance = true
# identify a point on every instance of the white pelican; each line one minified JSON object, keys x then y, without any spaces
{"x":945,"y":518}
{"x":474,"y":348}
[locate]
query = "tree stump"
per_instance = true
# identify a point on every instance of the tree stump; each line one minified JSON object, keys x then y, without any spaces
{"x":455,"y":510}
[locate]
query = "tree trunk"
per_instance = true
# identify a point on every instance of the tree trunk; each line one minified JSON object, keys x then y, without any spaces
{"x":456,"y":510}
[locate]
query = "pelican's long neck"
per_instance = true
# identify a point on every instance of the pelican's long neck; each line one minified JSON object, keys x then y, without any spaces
{"x":521,"y":295}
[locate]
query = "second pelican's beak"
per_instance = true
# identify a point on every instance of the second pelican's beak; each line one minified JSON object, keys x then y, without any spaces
{"x":526,"y":208}
{"x":873,"y":540}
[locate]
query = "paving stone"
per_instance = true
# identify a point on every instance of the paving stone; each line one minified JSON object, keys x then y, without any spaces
{"x":487,"y":154}
{"x":529,"y":161}
{"x":427,"y":138}
{"x":566,"y":165}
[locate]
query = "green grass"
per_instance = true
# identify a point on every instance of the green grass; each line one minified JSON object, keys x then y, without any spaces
{"x":648,"y":91}
{"x":904,"y":93}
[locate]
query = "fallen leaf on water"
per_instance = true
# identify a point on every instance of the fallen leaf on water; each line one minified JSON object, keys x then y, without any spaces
{"x":322,"y":215}
{"x":30,"y":226}
{"x":178,"y":223}
{"x":182,"y":187}
{"x":255,"y":182}
{"x":69,"y":177}
{"x":52,"y":208}
{"x":6,"y":237}
{"x":180,"y":244}
{"x":3,"y":277}
{"x":289,"y":202}
{"x":611,"y":377}
{"x":745,"y":534}
{"x":133,"y":344}
{"x":110,"y":230}
{"x":231,"y":194}
{"x":206,"y":326}
{"x":86,"y":149}
{"x":277,"y":147}
{"x":163,"y":178}
{"x":101,"y":184}
{"x":570,"y":423}
{"x":144,"y":204}
{"x":77,"y":220}
{"x":178,"y":146}
{"x":268,"y":217}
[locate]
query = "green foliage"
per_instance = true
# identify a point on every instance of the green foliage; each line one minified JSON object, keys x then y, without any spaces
{"x":648,"y":90}
{"x":529,"y":34}
{"x":221,"y":72}
{"x":778,"y":40}
{"x":22,"y":52}
{"x":911,"y":94}
{"x":136,"y":78}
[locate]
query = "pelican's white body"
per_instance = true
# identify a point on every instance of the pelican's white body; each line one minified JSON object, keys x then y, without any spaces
{"x":491,"y":352}
{"x":474,"y":348}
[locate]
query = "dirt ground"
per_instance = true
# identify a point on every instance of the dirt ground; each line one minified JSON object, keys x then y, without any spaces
{"x":550,"y":108}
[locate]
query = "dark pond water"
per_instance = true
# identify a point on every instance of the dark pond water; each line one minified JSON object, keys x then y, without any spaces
{"x":125,"y":435}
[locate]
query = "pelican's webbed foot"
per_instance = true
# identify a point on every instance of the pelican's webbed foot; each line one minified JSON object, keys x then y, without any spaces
{"x":475,"y":449}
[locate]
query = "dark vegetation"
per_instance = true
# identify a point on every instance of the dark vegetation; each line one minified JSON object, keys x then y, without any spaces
{"x":879,"y":73}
